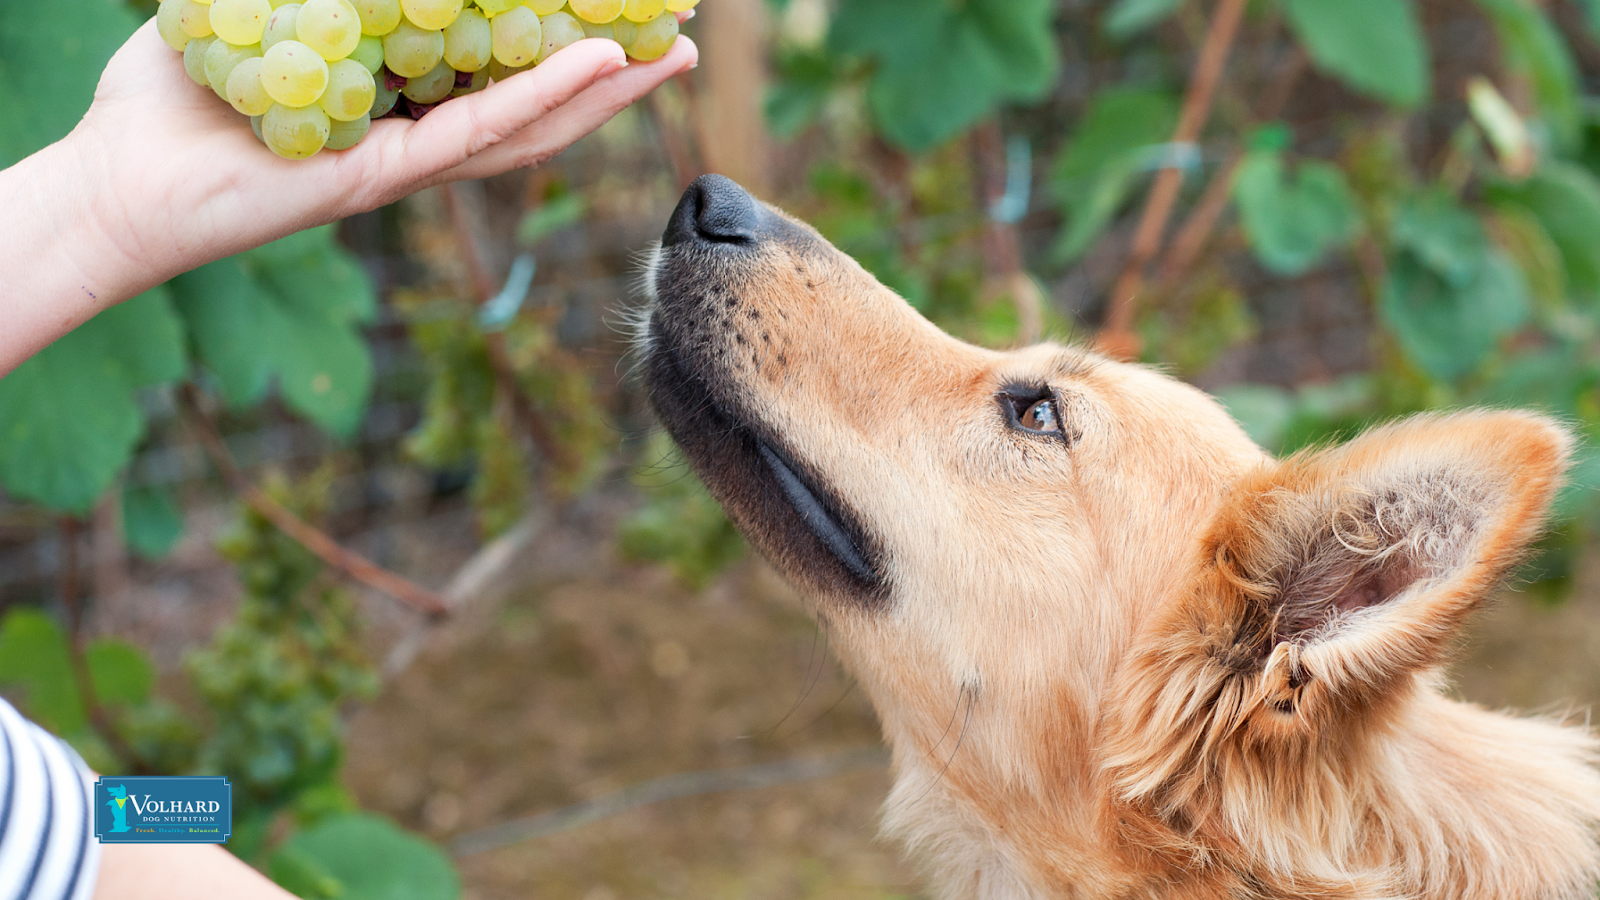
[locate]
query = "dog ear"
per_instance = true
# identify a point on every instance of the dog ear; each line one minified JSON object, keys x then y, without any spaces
{"x":1350,"y":567}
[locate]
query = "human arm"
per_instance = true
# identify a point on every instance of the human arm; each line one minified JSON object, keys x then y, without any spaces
{"x":161,"y":176}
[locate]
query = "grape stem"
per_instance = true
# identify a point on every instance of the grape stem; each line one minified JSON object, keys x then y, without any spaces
{"x":352,"y":564}
{"x":1117,"y":338}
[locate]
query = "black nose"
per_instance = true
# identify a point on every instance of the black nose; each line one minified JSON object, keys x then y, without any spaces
{"x":713,"y":209}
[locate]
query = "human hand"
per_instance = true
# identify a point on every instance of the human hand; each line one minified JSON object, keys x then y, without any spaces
{"x":176,"y":179}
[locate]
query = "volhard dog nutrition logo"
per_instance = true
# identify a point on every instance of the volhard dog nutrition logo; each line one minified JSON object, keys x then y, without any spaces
{"x":163,"y":810}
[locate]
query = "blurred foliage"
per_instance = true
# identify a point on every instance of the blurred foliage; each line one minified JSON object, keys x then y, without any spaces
{"x":273,"y":685}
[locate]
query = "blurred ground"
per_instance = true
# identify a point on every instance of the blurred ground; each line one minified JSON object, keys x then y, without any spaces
{"x":613,"y":674}
{"x":617,"y":676}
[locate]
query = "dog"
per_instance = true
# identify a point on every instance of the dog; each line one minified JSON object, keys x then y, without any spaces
{"x":1117,"y":650}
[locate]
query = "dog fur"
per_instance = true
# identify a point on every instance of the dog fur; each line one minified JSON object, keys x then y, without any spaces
{"x":1134,"y":657}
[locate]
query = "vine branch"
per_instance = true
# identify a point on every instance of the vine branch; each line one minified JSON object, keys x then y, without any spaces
{"x":1117,"y":337}
{"x":345,"y":560}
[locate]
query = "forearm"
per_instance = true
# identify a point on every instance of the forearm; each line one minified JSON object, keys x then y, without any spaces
{"x":179,"y":872}
{"x":59,"y":265}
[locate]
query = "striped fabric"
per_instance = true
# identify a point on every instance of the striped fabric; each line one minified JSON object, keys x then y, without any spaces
{"x":48,"y":850}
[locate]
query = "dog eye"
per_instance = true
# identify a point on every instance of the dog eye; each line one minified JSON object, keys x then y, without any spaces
{"x":1041,"y":416}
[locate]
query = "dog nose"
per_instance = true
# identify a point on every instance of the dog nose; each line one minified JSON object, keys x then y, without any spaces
{"x":716,"y":210}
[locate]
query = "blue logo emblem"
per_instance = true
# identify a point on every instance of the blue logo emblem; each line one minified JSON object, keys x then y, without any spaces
{"x":163,"y":810}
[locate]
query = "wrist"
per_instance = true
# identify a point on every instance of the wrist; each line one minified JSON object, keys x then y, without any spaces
{"x":64,"y":261}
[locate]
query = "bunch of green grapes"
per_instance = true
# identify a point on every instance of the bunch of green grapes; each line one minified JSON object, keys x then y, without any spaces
{"x":314,"y":74}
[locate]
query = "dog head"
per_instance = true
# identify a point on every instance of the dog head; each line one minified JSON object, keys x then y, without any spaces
{"x":1078,"y":593}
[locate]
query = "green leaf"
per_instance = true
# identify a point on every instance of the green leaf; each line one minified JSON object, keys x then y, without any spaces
{"x":51,"y":54}
{"x":550,"y":217}
{"x":122,"y":674}
{"x":1444,"y":236}
{"x":33,"y":657}
{"x":942,"y":65}
{"x":69,"y":417}
{"x":365,"y":857}
{"x":151,"y":522}
{"x":1565,"y":198}
{"x":1129,"y":17}
{"x":1374,"y":46}
{"x":1446,"y":329}
{"x":289,"y":310}
{"x":803,"y":82}
{"x":1264,"y":411}
{"x":1119,"y":135}
{"x":1534,"y":47}
{"x":1292,"y":221}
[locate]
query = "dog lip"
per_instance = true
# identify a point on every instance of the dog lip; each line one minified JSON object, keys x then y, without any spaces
{"x":815,"y":515}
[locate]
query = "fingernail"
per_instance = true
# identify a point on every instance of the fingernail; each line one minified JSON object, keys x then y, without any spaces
{"x":689,"y":16}
{"x":615,"y":65}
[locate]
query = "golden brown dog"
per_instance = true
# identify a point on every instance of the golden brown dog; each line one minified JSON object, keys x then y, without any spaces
{"x":1118,"y":651}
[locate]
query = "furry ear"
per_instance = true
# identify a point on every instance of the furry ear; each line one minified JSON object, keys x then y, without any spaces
{"x":1352,"y":566}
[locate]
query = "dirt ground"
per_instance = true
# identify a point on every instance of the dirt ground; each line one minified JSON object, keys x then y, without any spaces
{"x":614,"y":675}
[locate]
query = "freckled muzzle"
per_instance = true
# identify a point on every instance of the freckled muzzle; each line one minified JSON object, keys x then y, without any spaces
{"x":719,"y":254}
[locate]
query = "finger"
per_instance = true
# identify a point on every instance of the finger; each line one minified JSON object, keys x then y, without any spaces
{"x":588,"y":111}
{"x":458,"y":130}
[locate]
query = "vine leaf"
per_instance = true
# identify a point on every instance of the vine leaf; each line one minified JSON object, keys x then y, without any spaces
{"x":943,"y":65}
{"x":151,"y":521}
{"x":1535,"y":48}
{"x":1129,"y":17}
{"x":1115,"y":143}
{"x":69,"y":417}
{"x":1450,"y":295}
{"x":288,"y":311}
{"x":51,"y":55}
{"x":364,"y":857}
{"x":1374,"y":46}
{"x":1293,"y":219}
{"x":1565,"y":199}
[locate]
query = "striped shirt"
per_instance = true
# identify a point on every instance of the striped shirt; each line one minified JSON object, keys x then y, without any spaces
{"x":48,"y":850}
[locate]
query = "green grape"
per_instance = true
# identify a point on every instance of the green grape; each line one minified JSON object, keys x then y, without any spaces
{"x":278,"y":3}
{"x":560,"y":30}
{"x":244,"y":88}
{"x":195,"y":20}
{"x":678,"y":6}
{"x":240,"y":22}
{"x":597,"y":11}
{"x":517,"y":36}
{"x":468,"y":42}
{"x":384,"y":101}
{"x":369,"y":52}
{"x":432,"y":15}
{"x":170,"y":26}
{"x":378,"y":17}
{"x":624,"y":32}
{"x":280,"y":26}
{"x":410,"y":51}
{"x":351,"y":90}
{"x":194,"y":59}
{"x":344,"y":135}
{"x":655,"y":38}
{"x":542,"y":7}
{"x":499,"y":71}
{"x":330,"y":27}
{"x":295,"y":132}
{"x":643,"y":11}
{"x":220,"y":61}
{"x":432,"y":87}
{"x":255,"y":126}
{"x":496,"y":7}
{"x":294,"y":74}
{"x":480,"y":80}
